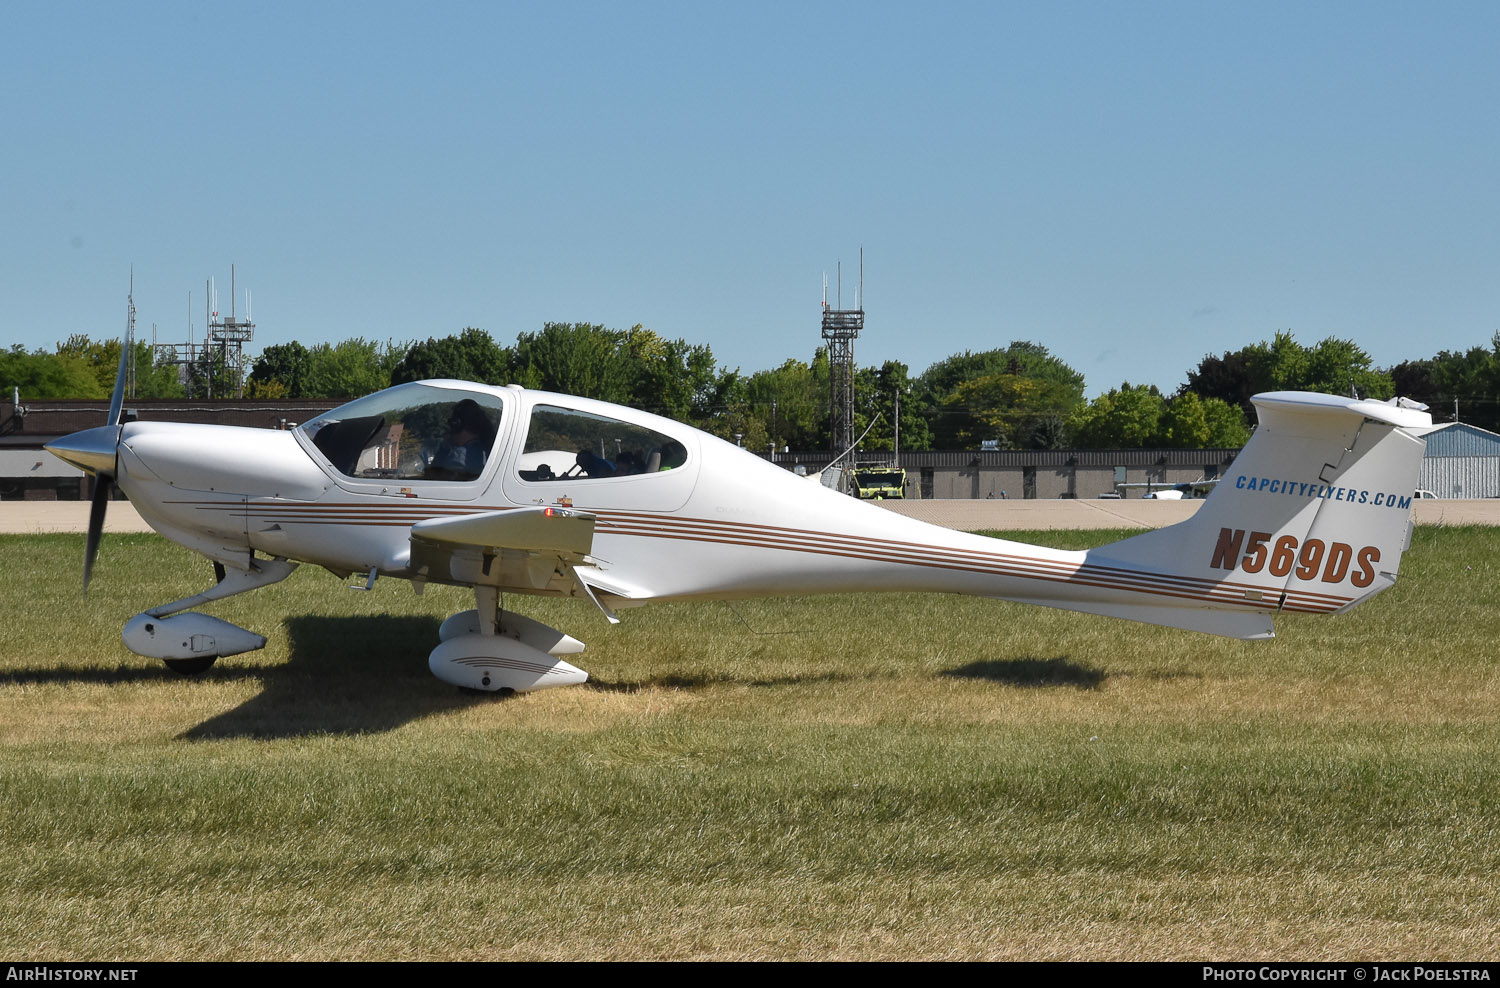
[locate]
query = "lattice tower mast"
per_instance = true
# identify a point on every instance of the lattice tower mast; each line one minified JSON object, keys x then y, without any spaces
{"x":230,"y":334}
{"x":840,"y":327}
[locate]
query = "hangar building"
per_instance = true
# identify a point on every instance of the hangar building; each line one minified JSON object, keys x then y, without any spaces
{"x":1462,"y":461}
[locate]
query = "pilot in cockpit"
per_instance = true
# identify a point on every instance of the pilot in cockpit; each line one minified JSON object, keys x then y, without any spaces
{"x":470,"y":437}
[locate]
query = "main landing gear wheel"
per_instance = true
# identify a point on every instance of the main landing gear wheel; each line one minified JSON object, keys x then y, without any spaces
{"x":191,"y":667}
{"x":503,"y":693}
{"x":496,"y":664}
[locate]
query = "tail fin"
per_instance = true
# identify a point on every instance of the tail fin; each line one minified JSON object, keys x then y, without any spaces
{"x":1312,"y":517}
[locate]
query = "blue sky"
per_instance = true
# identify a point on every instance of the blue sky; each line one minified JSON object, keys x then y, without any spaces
{"x":1131,"y":184}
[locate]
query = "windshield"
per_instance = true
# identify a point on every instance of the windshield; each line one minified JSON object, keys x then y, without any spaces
{"x":410,"y":432}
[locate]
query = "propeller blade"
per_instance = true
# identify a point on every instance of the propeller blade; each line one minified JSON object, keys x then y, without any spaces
{"x":96,"y":450}
{"x":104,"y":481}
{"x":103,"y":486}
{"x":117,"y":399}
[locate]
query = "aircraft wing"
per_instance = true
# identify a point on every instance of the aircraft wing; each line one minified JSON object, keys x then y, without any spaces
{"x":1188,"y":488}
{"x":562,"y":532}
{"x":535,"y":550}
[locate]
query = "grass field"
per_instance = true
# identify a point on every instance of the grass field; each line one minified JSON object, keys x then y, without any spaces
{"x":837,"y":777}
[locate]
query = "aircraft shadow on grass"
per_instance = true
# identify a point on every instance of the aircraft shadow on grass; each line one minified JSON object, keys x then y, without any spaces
{"x":1029,"y":672}
{"x":346,"y":675}
{"x":1032,"y":672}
{"x":319,"y":677}
{"x":352,"y":675}
{"x":364,"y":675}
{"x":703,"y":681}
{"x":117,"y":676}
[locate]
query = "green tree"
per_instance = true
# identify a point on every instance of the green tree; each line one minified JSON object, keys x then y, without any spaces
{"x":876,"y":390}
{"x":39,"y":374}
{"x":1332,"y":366}
{"x":978,"y":396}
{"x":736,"y":422}
{"x":1281,"y":364}
{"x":1184,"y":423}
{"x":211,"y":374}
{"x":472,"y":355}
{"x":281,"y":368}
{"x":1227,"y":426}
{"x":1139,"y":417}
{"x":266,"y":390}
{"x":1466,"y":383}
{"x":1227,"y":378}
{"x":102,"y":358}
{"x":574,"y":358}
{"x":1127,"y":417}
{"x":155,"y":379}
{"x":1007,"y":408}
{"x":790,"y":401}
{"x":1336,"y":366}
{"x":1191,"y":422}
{"x":1021,"y":357}
{"x":348,"y":369}
{"x":635,"y":367}
{"x":673,"y":377}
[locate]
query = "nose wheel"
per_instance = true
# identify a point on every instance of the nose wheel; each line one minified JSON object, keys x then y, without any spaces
{"x":504,"y":693}
{"x":195,"y":666}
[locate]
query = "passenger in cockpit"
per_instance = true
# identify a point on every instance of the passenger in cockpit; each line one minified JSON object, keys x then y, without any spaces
{"x":593,"y":465}
{"x":673,"y":455}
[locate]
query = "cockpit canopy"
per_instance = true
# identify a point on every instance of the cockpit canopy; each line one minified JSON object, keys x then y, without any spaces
{"x":568,"y":444}
{"x":410,"y":432}
{"x":442,"y":433}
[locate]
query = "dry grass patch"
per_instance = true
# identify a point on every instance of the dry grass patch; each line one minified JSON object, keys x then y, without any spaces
{"x":899,"y":777}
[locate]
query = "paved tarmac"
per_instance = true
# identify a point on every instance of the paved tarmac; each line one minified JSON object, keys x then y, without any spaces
{"x":30,"y":517}
{"x":1135,"y":513}
{"x":33,"y":517}
{"x":1045,"y":515}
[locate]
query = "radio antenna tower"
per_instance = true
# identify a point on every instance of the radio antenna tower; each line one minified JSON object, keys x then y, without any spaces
{"x":229,"y":334}
{"x":840,"y":327}
{"x":220,"y":356}
{"x":129,"y":341}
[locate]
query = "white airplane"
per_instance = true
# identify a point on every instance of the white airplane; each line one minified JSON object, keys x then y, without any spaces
{"x":513,"y":491}
{"x":1199,"y":488}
